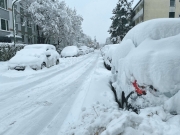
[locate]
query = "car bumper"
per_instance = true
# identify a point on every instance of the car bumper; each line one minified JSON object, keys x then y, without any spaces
{"x":22,"y":67}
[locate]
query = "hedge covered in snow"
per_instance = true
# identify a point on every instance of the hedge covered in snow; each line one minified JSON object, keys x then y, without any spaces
{"x":8,"y":50}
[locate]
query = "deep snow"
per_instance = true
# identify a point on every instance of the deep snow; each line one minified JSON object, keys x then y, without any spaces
{"x":100,"y":114}
{"x":38,"y":101}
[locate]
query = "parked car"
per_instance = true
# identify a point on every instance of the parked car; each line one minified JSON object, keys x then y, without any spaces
{"x":70,"y":51}
{"x":81,"y":52}
{"x":147,"y":62}
{"x":107,"y":53}
{"x":36,"y":56}
{"x":84,"y":49}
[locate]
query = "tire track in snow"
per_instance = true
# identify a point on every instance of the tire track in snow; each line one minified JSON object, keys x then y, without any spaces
{"x":54,"y":111}
{"x":53,"y":84}
{"x":18,"y":89}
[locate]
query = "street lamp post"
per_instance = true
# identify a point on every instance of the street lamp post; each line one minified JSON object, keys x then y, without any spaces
{"x":14,"y":22}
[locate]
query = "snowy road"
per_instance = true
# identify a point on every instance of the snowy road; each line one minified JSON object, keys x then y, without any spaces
{"x":40,"y":104}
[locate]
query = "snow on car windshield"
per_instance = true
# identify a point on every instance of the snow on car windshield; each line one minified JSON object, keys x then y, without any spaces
{"x":31,"y":52}
{"x":41,"y":46}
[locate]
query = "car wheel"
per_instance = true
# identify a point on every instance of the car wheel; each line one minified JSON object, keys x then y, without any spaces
{"x":43,"y":65}
{"x":57,"y":62}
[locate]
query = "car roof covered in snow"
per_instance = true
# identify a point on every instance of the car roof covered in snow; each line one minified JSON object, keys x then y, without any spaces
{"x":41,"y":46}
{"x":31,"y":51}
{"x":154,"y":29}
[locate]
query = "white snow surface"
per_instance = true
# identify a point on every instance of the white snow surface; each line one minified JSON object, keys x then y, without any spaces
{"x":155,"y":29}
{"x":120,"y":52}
{"x":37,"y":102}
{"x":41,"y":46}
{"x":32,"y":56}
{"x":100,"y":114}
{"x":109,"y":53}
{"x":153,"y":62}
{"x":81,"y":103}
{"x":69,"y":51}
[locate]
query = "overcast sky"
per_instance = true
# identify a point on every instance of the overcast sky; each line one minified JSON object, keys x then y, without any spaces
{"x":96,"y":14}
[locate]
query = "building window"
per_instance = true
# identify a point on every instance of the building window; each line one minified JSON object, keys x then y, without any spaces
{"x":29,"y":23}
{"x":16,"y":28}
{"x":22,"y":38}
{"x":21,"y":10}
{"x":15,"y":6}
{"x":22,"y":20}
{"x":172,"y":3}
{"x":3,"y":4}
{"x":4,"y":25}
{"x":171,"y":14}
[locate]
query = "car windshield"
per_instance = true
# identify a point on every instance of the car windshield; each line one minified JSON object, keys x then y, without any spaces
{"x":31,"y":52}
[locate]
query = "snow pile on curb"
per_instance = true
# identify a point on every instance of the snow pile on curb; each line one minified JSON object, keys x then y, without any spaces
{"x":100,"y":114}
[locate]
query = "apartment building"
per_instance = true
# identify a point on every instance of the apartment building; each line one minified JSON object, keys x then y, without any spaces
{"x":151,"y":9}
{"x":25,"y":30}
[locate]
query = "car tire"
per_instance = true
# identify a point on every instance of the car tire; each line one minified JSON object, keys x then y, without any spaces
{"x":57,"y":62}
{"x":43,"y":65}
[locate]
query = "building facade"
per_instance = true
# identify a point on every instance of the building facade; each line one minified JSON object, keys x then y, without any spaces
{"x":151,"y":9}
{"x":25,"y":29}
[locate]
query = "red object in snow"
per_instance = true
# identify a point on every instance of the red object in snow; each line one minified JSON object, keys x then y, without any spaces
{"x":138,"y":90}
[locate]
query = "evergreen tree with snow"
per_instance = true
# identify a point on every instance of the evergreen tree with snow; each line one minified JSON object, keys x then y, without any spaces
{"x":121,"y":21}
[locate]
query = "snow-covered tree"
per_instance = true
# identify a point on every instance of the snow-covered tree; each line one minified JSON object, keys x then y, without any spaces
{"x":55,"y":20}
{"x":108,"y":41}
{"x":121,"y":21}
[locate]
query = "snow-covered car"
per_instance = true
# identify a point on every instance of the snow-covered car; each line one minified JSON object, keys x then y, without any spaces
{"x":107,"y":52}
{"x":91,"y":49}
{"x":70,"y":51}
{"x":151,"y":62}
{"x":36,"y":56}
{"x":84,"y":50}
{"x":81,"y":52}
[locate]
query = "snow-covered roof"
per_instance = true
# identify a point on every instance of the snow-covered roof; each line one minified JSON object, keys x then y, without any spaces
{"x":31,"y":52}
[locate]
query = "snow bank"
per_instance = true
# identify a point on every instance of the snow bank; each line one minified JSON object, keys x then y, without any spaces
{"x":172,"y":105}
{"x":154,"y":29}
{"x":69,"y":51}
{"x":105,"y":118}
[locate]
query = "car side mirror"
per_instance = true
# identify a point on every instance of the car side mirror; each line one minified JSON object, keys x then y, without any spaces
{"x":48,"y":55}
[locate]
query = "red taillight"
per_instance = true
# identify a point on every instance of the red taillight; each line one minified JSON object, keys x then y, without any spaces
{"x":138,"y":90}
